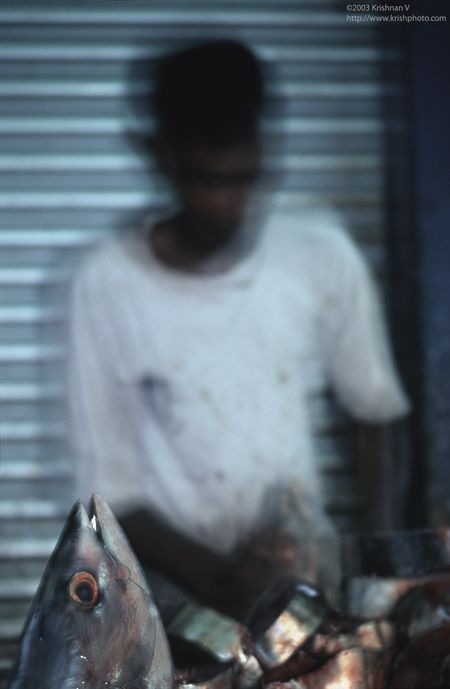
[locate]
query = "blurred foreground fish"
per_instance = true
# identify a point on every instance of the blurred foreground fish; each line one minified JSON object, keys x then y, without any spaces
{"x":93,"y":622}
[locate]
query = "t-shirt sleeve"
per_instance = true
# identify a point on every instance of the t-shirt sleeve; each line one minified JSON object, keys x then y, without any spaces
{"x":362,"y":370}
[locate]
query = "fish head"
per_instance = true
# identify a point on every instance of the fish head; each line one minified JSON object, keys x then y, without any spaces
{"x":93,"y":622}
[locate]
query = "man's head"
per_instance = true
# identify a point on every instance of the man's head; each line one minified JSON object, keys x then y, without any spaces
{"x":210,"y":95}
{"x":208,"y":101}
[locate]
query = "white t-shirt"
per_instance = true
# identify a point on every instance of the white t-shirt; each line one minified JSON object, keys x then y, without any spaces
{"x":189,"y":391}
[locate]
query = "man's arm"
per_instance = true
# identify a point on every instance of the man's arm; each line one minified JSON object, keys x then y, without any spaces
{"x":383,"y":470}
{"x":221,"y":581}
{"x":366,"y":384}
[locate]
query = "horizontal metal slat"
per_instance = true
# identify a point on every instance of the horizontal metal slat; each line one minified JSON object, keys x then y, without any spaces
{"x":49,"y":449}
{"x":10,"y":630}
{"x":321,"y":141}
{"x":18,"y":413}
{"x":13,"y":607}
{"x":109,"y":107}
{"x":34,"y":471}
{"x":6,"y":661}
{"x":12,"y":589}
{"x":22,"y":333}
{"x":14,"y":530}
{"x":28,"y":314}
{"x":26,"y":252}
{"x":21,"y":411}
{"x":30,"y":509}
{"x":285,"y":44}
{"x":130,"y":200}
{"x":299,"y":105}
{"x":319,"y":183}
{"x":30,"y":391}
{"x":87,"y":88}
{"x":36,"y":125}
{"x":53,"y":238}
{"x":317,"y":71}
{"x":25,"y":430}
{"x":119,"y":52}
{"x":25,"y":276}
{"x":53,"y":223}
{"x":112,"y":125}
{"x":67,"y":200}
{"x":220,"y":14}
{"x":127,"y":161}
{"x":27,"y":549}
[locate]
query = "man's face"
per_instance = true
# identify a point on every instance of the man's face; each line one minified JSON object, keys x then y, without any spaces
{"x":214,"y":187}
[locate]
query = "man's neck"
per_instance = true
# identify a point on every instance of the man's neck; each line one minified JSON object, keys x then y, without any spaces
{"x":176,"y":245}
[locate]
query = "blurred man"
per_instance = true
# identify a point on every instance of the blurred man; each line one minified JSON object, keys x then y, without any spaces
{"x":197,"y":342}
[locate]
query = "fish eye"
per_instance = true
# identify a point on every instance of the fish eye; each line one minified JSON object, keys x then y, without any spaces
{"x":83,"y":590}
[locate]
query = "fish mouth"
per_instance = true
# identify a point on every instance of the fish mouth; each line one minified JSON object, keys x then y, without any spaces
{"x":100,"y":516}
{"x":99,"y":522}
{"x":97,"y":516}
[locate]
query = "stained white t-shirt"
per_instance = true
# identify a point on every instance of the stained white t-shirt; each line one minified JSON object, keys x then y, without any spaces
{"x":190,"y":391}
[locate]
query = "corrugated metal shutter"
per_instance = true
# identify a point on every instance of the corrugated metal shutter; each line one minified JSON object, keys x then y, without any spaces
{"x":69,"y":177}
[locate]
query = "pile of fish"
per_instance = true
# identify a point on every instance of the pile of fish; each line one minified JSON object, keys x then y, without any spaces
{"x":93,"y":623}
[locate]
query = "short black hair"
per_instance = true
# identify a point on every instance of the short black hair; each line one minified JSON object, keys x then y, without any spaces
{"x":210,"y":94}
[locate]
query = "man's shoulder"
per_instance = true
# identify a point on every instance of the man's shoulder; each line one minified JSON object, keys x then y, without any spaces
{"x":313,"y":238}
{"x":104,"y":260}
